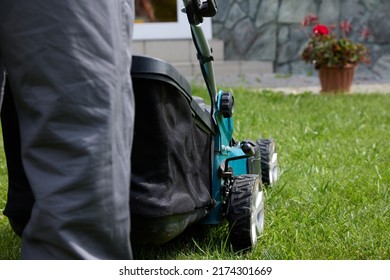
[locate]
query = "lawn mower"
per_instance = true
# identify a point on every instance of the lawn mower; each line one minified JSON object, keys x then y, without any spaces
{"x":186,"y":166}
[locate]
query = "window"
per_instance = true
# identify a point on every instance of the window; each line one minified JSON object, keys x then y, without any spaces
{"x":163,"y":19}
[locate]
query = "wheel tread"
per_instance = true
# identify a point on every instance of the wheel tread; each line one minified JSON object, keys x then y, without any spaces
{"x":239,"y":211}
{"x":266,"y":146}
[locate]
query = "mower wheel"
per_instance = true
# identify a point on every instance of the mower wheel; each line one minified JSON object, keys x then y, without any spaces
{"x":269,"y":161}
{"x":245,"y":212}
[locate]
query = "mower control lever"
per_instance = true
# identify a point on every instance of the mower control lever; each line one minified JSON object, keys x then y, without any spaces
{"x":207,"y":8}
{"x":196,"y":10}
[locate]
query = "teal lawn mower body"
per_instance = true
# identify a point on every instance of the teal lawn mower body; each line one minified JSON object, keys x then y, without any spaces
{"x":199,"y":173}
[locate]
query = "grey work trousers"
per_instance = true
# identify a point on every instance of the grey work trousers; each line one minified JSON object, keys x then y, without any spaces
{"x":68,"y":64}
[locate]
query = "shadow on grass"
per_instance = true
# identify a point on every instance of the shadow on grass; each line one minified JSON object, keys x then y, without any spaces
{"x":197,"y":242}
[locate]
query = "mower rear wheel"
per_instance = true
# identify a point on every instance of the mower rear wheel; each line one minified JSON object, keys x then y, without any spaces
{"x":245,"y":212}
{"x":269,"y":161}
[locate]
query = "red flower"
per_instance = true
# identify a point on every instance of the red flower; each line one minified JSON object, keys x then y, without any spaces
{"x":364,"y":33}
{"x":309,"y":20}
{"x":346,"y":26}
{"x":321,"y":30}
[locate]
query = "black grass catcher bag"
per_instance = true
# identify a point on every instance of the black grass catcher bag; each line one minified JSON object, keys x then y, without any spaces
{"x":171,"y":156}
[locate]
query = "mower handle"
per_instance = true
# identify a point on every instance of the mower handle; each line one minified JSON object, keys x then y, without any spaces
{"x":193,"y":9}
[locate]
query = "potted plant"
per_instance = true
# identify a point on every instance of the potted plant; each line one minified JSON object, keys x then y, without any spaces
{"x":334,"y":56}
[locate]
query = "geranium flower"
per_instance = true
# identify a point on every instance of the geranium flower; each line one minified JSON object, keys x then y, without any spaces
{"x":320,"y":29}
{"x":346,"y":26}
{"x":364,"y":33}
{"x":309,"y":20}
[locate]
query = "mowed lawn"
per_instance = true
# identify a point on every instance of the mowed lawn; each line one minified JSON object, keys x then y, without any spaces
{"x":332,"y":200}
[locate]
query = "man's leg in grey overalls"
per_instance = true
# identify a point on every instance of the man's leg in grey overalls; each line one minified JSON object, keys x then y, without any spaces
{"x":68,"y":63}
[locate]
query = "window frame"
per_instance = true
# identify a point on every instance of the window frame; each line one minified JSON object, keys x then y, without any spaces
{"x":169,"y":30}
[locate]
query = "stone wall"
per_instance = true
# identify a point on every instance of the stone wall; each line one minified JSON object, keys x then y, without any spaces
{"x":270,"y":30}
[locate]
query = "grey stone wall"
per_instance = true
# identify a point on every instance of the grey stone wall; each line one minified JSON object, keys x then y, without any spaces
{"x":270,"y":30}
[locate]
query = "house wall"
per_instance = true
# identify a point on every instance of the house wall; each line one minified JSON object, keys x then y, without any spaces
{"x":270,"y":30}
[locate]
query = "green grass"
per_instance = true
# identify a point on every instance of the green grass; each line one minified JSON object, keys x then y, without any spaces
{"x":9,"y":242}
{"x":332,"y":200}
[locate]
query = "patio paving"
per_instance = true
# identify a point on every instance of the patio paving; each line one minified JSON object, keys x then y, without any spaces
{"x":292,"y":84}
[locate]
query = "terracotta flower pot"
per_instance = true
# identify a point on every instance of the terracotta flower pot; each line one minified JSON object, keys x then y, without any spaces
{"x":336,"y":79}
